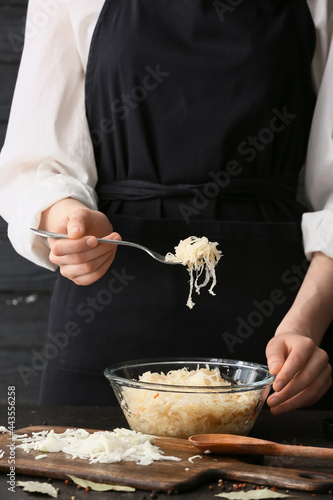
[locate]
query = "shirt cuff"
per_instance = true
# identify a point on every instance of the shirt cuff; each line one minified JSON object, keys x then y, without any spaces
{"x":317,"y":230}
{"x":29,"y":210}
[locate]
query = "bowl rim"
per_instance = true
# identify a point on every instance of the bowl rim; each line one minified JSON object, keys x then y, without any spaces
{"x":109,"y":373}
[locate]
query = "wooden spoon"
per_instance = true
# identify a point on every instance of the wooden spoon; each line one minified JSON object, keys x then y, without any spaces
{"x":243,"y":445}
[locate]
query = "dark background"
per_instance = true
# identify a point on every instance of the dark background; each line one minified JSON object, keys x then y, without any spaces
{"x":25,"y":289}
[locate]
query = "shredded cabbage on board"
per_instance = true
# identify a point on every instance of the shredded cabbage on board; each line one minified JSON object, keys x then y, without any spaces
{"x":99,"y":447}
{"x":181,"y":414}
{"x":199,"y":255}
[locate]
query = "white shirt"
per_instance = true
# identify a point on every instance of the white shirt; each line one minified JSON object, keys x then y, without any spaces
{"x":48,"y":154}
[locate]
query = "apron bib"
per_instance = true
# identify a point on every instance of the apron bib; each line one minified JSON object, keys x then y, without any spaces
{"x":199,"y":120}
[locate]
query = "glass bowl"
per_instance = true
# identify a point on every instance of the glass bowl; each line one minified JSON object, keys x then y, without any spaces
{"x":180,"y":410}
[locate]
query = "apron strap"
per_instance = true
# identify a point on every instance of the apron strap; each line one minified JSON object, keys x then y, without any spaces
{"x":254,"y":189}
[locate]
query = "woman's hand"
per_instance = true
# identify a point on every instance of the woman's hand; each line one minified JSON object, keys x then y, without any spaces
{"x":303,"y":372}
{"x":81,"y":258}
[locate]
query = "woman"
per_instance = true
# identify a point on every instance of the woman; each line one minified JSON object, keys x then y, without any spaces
{"x":154,"y":121}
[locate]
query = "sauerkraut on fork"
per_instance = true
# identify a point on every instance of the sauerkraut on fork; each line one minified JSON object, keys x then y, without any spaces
{"x":200,"y":256}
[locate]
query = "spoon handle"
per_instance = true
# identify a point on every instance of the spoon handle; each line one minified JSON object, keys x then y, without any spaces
{"x":287,"y":450}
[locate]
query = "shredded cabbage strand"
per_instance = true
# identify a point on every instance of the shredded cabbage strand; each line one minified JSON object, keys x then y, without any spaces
{"x":199,"y":255}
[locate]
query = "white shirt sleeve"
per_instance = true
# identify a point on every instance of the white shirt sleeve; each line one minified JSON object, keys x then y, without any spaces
{"x":317,"y":226}
{"x":48,"y":153}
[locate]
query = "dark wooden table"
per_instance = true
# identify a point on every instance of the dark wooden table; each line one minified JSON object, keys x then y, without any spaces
{"x":303,"y":426}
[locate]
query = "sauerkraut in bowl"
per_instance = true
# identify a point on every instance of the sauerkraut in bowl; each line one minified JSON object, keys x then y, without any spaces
{"x":179,"y":398}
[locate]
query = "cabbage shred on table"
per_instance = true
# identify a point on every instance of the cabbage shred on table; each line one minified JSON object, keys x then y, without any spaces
{"x":98,"y":447}
{"x":199,"y":255}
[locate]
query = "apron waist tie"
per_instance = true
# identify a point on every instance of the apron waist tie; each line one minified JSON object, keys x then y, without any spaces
{"x":250,"y":189}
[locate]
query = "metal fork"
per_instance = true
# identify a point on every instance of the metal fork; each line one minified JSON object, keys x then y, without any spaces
{"x":152,"y":253}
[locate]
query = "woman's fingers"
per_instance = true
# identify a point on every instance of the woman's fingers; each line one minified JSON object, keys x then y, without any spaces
{"x":77,"y":223}
{"x":60,"y":248}
{"x":281,"y":402}
{"x":305,"y":374}
{"x":89,"y":272}
{"x":314,"y":369}
{"x":78,"y":258}
{"x":83,"y":222}
{"x":72,"y":247}
{"x":276,"y":354}
{"x":290,"y":353}
{"x":92,"y":277}
{"x":83,"y":260}
{"x":73,"y":224}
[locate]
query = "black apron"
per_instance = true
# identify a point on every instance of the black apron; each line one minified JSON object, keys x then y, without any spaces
{"x":200,"y":117}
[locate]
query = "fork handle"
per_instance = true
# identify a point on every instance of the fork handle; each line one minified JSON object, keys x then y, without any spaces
{"x":120,"y":242}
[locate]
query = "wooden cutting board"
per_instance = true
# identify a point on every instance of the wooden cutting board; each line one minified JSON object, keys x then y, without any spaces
{"x":165,"y":475}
